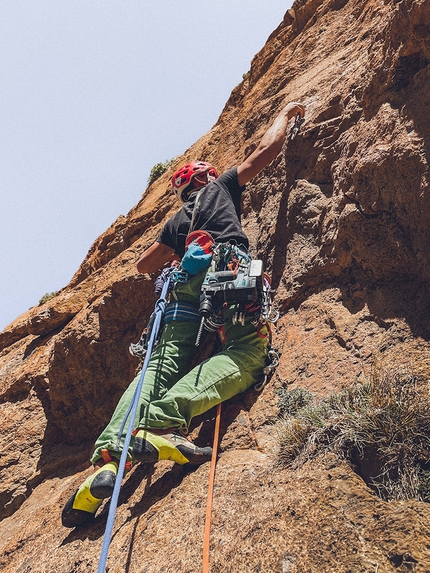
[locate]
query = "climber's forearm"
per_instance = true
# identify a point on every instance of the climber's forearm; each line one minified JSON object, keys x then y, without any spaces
{"x":270,"y":145}
{"x":154,"y":258}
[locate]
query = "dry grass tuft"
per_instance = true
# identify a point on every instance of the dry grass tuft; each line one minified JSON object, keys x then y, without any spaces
{"x":381,"y":427}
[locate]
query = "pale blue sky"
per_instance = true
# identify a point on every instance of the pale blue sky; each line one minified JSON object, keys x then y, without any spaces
{"x":93,"y":93}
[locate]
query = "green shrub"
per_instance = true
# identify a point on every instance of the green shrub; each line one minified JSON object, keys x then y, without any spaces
{"x":47,"y":297}
{"x":159,"y":169}
{"x":381,"y":427}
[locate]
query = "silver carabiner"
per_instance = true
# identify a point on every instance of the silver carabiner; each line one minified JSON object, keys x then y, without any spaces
{"x":296,"y":127}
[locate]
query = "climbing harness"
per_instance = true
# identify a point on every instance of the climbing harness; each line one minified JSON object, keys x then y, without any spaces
{"x":131,"y":414}
{"x":296,"y":127}
{"x":234,"y":278}
{"x":181,"y":310}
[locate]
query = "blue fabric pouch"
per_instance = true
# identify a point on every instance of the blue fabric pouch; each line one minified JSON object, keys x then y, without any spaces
{"x":195,"y":259}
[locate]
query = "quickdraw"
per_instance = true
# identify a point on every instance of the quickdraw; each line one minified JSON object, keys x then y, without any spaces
{"x":296,"y":127}
{"x":273,"y":358}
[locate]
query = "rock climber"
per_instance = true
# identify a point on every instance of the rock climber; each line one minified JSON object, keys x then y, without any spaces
{"x":171,"y":395}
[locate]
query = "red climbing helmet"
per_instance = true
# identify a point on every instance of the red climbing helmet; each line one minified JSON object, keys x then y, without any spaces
{"x":185,"y":174}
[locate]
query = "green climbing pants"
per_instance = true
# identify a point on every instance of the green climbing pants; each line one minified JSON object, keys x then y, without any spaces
{"x":171,"y":395}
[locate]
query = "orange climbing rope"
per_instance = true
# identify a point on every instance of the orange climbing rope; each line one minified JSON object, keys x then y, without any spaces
{"x":207,"y":534}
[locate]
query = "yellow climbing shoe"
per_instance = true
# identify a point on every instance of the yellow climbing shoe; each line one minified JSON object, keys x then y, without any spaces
{"x":155,"y":445}
{"x":81,"y":507}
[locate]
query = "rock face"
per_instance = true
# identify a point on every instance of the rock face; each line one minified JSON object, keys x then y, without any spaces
{"x":341,"y":219}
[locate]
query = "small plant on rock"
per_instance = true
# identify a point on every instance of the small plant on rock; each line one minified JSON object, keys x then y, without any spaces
{"x":381,"y":427}
{"x":47,"y":297}
{"x":158,"y":170}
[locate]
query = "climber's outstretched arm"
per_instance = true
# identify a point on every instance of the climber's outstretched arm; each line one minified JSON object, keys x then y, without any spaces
{"x":270,"y":145}
{"x":155,"y":258}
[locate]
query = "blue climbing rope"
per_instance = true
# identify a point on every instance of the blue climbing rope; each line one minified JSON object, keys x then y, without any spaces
{"x":131,"y":413}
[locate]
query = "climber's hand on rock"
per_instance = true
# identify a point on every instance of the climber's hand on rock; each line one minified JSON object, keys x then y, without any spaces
{"x":270,"y":145}
{"x":293,"y":108}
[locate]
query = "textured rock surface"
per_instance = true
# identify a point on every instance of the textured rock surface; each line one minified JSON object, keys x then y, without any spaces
{"x":341,"y":218}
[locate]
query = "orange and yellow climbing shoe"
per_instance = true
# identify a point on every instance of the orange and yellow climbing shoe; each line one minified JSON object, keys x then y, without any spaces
{"x":81,"y":507}
{"x":155,"y":445}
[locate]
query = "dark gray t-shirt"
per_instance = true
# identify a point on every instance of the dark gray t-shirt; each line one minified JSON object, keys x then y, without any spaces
{"x":218,"y":213}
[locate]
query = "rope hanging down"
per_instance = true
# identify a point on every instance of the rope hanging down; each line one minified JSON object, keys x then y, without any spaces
{"x":210,"y":492}
{"x":131,"y":413}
